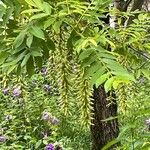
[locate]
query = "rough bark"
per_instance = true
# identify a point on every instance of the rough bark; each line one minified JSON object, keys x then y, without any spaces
{"x":102,"y":131}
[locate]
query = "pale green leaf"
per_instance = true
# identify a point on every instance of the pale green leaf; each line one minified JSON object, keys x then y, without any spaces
{"x":19,"y":39}
{"x":37,"y":32}
{"x":49,"y":22}
{"x":108,"y":84}
{"x":26,"y":58}
{"x":92,"y":41}
{"x":39,"y":3}
{"x":47,"y":8}
{"x":86,"y":53}
{"x":38,"y":16}
{"x":102,"y":79}
{"x":97,"y":74}
{"x":30,"y":2}
{"x":30,"y":11}
{"x":56,"y":26}
{"x":29,"y":40}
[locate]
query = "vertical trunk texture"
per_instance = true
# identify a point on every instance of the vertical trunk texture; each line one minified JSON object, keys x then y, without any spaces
{"x":101,"y":131}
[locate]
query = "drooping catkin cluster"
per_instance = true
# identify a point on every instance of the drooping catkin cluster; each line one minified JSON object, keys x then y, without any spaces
{"x":122,"y":99}
{"x":84,"y":98}
{"x":68,"y":77}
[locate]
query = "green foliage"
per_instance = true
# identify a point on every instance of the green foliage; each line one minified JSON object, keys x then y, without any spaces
{"x":80,"y":49}
{"x":22,"y":119}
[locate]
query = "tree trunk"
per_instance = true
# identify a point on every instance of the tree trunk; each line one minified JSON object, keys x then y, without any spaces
{"x":101,"y":131}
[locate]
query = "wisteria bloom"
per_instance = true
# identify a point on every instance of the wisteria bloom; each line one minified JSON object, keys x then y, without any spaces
{"x":17,"y":92}
{"x":50,"y":147}
{"x":45,"y":116}
{"x":2,"y":138}
{"x":5,"y":91}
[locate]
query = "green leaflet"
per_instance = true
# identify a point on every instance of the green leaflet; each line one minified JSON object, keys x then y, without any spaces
{"x":97,"y":74}
{"x":26,"y":58}
{"x":30,"y":11}
{"x":3,"y":56}
{"x":19,"y":39}
{"x":86,"y":53}
{"x":30,"y":66}
{"x":29,"y":40}
{"x":89,"y":71}
{"x":89,"y":61}
{"x":38,"y":3}
{"x":102,"y":79}
{"x":37,"y":32}
{"x":108,"y":84}
{"x":56,"y":26}
{"x":49,"y":22}
{"x":38,"y":16}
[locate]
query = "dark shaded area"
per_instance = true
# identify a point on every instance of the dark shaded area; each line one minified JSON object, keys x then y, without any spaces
{"x":103,"y":132}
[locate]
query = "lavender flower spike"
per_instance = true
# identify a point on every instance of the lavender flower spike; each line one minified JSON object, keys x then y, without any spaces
{"x":5,"y":91}
{"x":50,"y":147}
{"x":17,"y":92}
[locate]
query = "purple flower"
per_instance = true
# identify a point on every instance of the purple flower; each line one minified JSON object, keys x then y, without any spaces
{"x":54,"y":121}
{"x":17,"y":92}
{"x":47,"y":87}
{"x":5,"y":91}
{"x":45,"y":116}
{"x":49,"y":147}
{"x":147,"y":122}
{"x":2,"y":138}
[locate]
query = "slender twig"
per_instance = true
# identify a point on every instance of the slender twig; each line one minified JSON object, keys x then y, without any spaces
{"x":139,"y":52}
